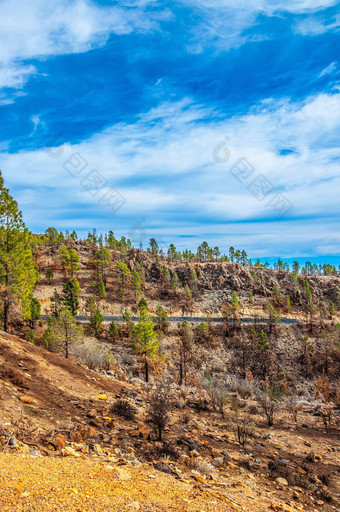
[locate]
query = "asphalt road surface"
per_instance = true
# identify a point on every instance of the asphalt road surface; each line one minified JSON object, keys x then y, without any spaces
{"x":190,"y":319}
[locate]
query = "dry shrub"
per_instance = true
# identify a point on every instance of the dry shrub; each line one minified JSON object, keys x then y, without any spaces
{"x":242,"y":387}
{"x":269,"y":400}
{"x":243,"y":431}
{"x":167,"y":451}
{"x":159,"y":407}
{"x":93,"y":355}
{"x":203,"y":467}
{"x":294,"y":406}
{"x":253,"y":410}
{"x":124,"y":409}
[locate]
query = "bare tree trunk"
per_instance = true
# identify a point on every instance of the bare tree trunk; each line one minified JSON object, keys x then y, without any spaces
{"x":146,"y":369}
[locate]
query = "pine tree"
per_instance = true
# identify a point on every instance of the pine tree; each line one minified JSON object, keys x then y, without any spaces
{"x":136,"y":283}
{"x":162,"y":318}
{"x":101,"y":289}
{"x":70,"y":260}
{"x":35,"y":311}
{"x":96,"y":318}
{"x":273,"y":316}
{"x":102,"y":262}
{"x":145,"y":339}
{"x":71,"y":291}
{"x":63,"y":332}
{"x":56,"y":303}
{"x":49,"y":275}
{"x":113,"y":331}
{"x":18,"y":272}
{"x":123,"y":272}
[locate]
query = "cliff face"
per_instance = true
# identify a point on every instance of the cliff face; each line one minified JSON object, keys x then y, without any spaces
{"x":215,"y":283}
{"x":218,"y":280}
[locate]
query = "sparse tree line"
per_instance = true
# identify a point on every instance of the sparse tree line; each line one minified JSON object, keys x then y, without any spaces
{"x":204,"y":253}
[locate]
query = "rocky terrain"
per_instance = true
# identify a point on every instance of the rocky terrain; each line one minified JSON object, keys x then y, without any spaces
{"x":80,"y":439}
{"x":64,"y":449}
{"x":216,"y":281}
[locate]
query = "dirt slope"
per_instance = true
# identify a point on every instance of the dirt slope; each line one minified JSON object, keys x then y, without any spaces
{"x":45,"y":386}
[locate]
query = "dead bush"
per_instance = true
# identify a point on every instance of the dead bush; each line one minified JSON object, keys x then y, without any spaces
{"x":294,"y":406}
{"x":186,"y":418}
{"x":253,"y":410}
{"x":124,"y":409}
{"x":159,"y":408}
{"x":203,"y":467}
{"x":155,"y":451}
{"x":93,"y":355}
{"x":326,"y":413}
{"x":243,"y":431}
{"x":269,"y":401}
{"x":325,"y":495}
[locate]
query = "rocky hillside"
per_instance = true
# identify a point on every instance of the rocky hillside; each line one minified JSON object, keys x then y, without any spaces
{"x":211,"y":285}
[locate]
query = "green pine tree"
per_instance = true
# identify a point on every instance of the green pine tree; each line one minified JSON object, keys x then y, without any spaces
{"x":35,"y":311}
{"x":101,"y":289}
{"x":71,"y":291}
{"x":136,"y":283}
{"x":146,"y":343}
{"x":63,"y":332}
{"x":113,"y":331}
{"x":18,"y":272}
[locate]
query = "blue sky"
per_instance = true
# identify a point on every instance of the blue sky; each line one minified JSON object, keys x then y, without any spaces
{"x":144,"y":93}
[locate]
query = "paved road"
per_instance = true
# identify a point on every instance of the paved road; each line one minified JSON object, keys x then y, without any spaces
{"x":191,"y":319}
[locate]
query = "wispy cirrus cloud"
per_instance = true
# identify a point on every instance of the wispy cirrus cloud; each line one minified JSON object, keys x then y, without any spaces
{"x":226,"y":25}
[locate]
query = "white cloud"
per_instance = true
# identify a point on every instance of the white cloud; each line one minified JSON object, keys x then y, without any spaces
{"x":171,"y":148}
{"x":329,"y":70}
{"x":315,"y":26}
{"x":222,"y":24}
{"x":38,"y":29}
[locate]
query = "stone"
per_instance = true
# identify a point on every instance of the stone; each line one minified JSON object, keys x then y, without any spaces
{"x":300,"y":471}
{"x":122,"y":474}
{"x":282,"y":481}
{"x":134,"y":505}
{"x":200,"y":479}
{"x":310,"y":457}
{"x":144,"y":431}
{"x":13,"y":442}
{"x":70,"y":452}
{"x":35,"y":453}
{"x":217,"y":463}
{"x":27,"y":400}
{"x":60,"y":442}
